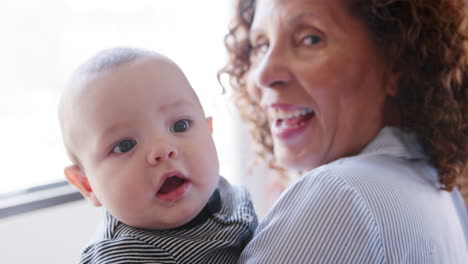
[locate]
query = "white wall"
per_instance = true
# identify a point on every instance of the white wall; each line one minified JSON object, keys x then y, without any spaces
{"x":234,"y":148}
{"x":53,"y":235}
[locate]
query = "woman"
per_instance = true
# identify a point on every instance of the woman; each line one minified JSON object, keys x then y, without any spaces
{"x":370,"y":97}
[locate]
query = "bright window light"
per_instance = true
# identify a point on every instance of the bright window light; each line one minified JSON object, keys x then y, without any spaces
{"x":41,"y":42}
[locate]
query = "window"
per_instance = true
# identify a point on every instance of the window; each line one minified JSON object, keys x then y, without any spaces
{"x":43,"y":41}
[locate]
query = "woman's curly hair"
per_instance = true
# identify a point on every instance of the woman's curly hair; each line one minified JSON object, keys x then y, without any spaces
{"x":425,"y":42}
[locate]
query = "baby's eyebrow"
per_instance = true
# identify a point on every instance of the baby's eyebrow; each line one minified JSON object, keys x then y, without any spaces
{"x":114,"y":127}
{"x":175,"y":104}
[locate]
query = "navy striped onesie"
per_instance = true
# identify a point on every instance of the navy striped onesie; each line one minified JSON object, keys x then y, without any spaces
{"x":217,"y":235}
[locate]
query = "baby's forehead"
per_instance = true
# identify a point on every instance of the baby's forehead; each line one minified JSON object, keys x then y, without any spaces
{"x":87,"y":79}
{"x":139,"y":78}
{"x":117,"y":60}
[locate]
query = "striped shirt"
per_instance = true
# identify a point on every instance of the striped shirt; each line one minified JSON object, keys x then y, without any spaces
{"x":217,"y":235}
{"x":380,"y":206}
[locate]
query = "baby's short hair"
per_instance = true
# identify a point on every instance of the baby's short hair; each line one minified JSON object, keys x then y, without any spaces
{"x":109,"y":59}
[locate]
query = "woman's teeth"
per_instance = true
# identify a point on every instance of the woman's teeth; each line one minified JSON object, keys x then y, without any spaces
{"x":290,"y":119}
{"x":282,"y":114}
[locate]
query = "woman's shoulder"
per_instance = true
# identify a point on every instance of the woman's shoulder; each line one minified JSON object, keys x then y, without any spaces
{"x":322,"y":190}
{"x":380,"y":176}
{"x":377,"y":181}
{"x":360,"y":205}
{"x":320,"y":209}
{"x":373,"y":187}
{"x":392,"y":166}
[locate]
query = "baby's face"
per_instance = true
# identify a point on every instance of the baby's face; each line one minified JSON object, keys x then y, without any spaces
{"x":145,"y":144}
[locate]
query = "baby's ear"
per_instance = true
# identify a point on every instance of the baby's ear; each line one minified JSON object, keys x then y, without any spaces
{"x":209,"y":120}
{"x":76,"y":176}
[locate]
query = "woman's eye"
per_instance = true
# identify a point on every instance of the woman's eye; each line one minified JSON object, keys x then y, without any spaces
{"x":311,"y":40}
{"x":124,"y":146}
{"x":180,"y":126}
{"x":258,"y":49}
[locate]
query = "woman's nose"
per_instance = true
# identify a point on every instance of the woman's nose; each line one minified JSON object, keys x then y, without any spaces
{"x":272,"y":70}
{"x":161,"y":152}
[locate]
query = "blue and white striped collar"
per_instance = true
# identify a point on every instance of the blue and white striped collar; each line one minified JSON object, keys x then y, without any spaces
{"x":395,"y":142}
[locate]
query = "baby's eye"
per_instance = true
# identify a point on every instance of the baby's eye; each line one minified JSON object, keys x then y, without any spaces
{"x":310,"y":40}
{"x":124,"y":146}
{"x":180,"y":126}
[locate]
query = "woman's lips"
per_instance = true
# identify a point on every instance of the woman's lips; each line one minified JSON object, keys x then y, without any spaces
{"x":289,"y":121}
{"x":284,"y":131}
{"x":172,"y":187}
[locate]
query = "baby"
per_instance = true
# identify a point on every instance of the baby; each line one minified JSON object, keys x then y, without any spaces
{"x":142,"y":148}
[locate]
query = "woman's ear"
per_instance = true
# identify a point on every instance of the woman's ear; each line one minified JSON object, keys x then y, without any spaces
{"x":209,"y":120}
{"x":76,"y":177}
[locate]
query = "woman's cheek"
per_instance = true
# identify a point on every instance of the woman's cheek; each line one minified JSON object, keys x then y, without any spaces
{"x":253,"y":91}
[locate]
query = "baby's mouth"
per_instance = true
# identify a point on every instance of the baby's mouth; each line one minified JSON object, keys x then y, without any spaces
{"x":291,"y":118}
{"x":174,"y":186}
{"x":170,"y":184}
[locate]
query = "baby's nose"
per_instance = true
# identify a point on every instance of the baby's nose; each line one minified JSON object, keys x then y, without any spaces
{"x":162,"y":152}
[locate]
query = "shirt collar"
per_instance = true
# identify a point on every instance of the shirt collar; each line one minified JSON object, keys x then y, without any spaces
{"x":395,"y":142}
{"x":213,"y":206}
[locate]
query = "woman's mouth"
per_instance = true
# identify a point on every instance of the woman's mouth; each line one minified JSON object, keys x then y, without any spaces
{"x":174,"y":185}
{"x":287,"y":123}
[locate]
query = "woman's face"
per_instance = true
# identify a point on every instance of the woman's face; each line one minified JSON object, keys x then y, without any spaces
{"x":318,"y":76}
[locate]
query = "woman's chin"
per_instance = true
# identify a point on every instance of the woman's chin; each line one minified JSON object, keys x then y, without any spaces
{"x":291,"y":163}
